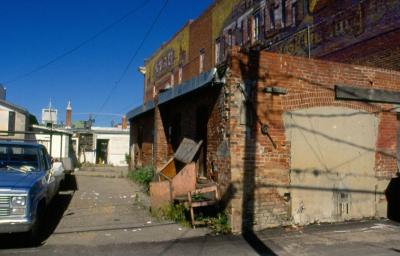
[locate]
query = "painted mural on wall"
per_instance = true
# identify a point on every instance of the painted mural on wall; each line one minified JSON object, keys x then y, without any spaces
{"x":357,"y":22}
{"x":299,"y":26}
{"x":255,"y":22}
{"x":167,"y":59}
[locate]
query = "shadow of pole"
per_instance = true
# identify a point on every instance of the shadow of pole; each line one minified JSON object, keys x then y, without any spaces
{"x":249,"y":72}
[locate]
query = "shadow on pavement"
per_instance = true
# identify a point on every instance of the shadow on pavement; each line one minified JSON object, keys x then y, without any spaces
{"x":52,"y":218}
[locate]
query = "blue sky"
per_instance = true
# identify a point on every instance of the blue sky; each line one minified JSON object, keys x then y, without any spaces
{"x":34,"y":32}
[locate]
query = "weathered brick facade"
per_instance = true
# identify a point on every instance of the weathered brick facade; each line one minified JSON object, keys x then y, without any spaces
{"x":262,"y":159}
{"x":142,"y":139}
{"x":279,"y":156}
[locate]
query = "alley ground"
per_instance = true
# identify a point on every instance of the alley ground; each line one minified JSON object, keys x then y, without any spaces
{"x":101,"y":215}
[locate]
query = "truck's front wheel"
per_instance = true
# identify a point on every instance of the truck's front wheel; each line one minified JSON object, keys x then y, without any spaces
{"x":35,"y":235}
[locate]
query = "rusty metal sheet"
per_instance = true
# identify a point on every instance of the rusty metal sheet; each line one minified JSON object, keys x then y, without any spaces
{"x":187,"y":150}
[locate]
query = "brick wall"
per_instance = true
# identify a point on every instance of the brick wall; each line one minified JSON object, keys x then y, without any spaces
{"x":144,"y":152}
{"x":200,"y":38}
{"x":382,"y":51}
{"x":161,"y":142}
{"x":261,"y":159}
{"x":208,"y":99}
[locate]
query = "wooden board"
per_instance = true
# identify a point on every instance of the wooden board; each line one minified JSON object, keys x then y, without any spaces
{"x":368,"y":95}
{"x":187,"y":150}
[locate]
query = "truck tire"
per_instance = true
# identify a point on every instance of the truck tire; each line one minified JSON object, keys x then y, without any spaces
{"x":35,"y":235}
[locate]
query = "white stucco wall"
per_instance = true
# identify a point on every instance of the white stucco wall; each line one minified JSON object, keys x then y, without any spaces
{"x":58,"y":149}
{"x":118,"y":146}
{"x":332,"y":174}
{"x":20,"y":123}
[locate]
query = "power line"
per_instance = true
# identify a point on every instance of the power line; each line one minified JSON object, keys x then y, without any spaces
{"x":79,"y":46}
{"x":133,"y":56}
{"x":98,"y":114}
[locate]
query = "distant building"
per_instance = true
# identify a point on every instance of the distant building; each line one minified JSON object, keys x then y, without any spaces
{"x":68,"y":116}
{"x":49,"y":116}
{"x":98,"y":145}
{"x":101,"y":145}
{"x":14,"y":121}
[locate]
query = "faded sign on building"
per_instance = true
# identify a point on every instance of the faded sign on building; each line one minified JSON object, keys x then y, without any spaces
{"x":167,"y":61}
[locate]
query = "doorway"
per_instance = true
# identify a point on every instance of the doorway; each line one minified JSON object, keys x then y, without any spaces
{"x":102,"y":151}
{"x":201,"y":134}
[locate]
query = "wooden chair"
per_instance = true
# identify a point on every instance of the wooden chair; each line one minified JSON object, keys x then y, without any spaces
{"x":207,"y":201}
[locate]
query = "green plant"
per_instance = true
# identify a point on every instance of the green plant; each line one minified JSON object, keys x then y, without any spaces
{"x":128,"y":158}
{"x":142,"y":175}
{"x":174,"y":212}
{"x":220,"y":224}
{"x":198,"y":197}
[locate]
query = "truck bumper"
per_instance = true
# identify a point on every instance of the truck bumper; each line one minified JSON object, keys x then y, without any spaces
{"x":15,"y":226}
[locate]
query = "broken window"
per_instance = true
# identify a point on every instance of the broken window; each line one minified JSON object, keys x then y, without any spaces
{"x":278,"y":19}
{"x":257,"y":26}
{"x":294,"y":12}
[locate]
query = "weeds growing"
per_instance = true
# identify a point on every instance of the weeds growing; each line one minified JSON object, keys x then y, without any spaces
{"x":142,"y":176}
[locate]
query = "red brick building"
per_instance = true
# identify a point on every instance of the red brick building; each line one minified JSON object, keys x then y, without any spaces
{"x":287,"y":139}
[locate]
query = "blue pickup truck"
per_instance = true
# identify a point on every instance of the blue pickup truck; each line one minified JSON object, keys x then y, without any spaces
{"x":28,"y":182}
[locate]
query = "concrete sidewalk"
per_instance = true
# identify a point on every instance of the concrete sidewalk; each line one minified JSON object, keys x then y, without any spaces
{"x":108,"y":204}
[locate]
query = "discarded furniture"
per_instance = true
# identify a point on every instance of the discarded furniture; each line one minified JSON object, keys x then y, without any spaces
{"x":203,"y":197}
{"x":177,"y":177}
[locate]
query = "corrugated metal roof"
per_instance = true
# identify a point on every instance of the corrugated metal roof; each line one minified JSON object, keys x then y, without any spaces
{"x":140,"y":110}
{"x":186,"y":87}
{"x":182,"y":89}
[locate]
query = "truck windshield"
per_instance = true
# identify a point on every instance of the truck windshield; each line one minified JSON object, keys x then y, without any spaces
{"x":19,"y":158}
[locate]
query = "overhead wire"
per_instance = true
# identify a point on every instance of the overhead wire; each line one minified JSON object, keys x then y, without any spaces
{"x":78,"y":46}
{"x":134,"y":55}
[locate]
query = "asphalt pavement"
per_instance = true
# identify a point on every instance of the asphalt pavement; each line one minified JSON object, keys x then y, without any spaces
{"x":107,"y":215}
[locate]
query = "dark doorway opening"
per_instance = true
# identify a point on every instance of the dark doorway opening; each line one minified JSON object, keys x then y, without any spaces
{"x":176,"y":131}
{"x":201,"y":134}
{"x":101,"y":151}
